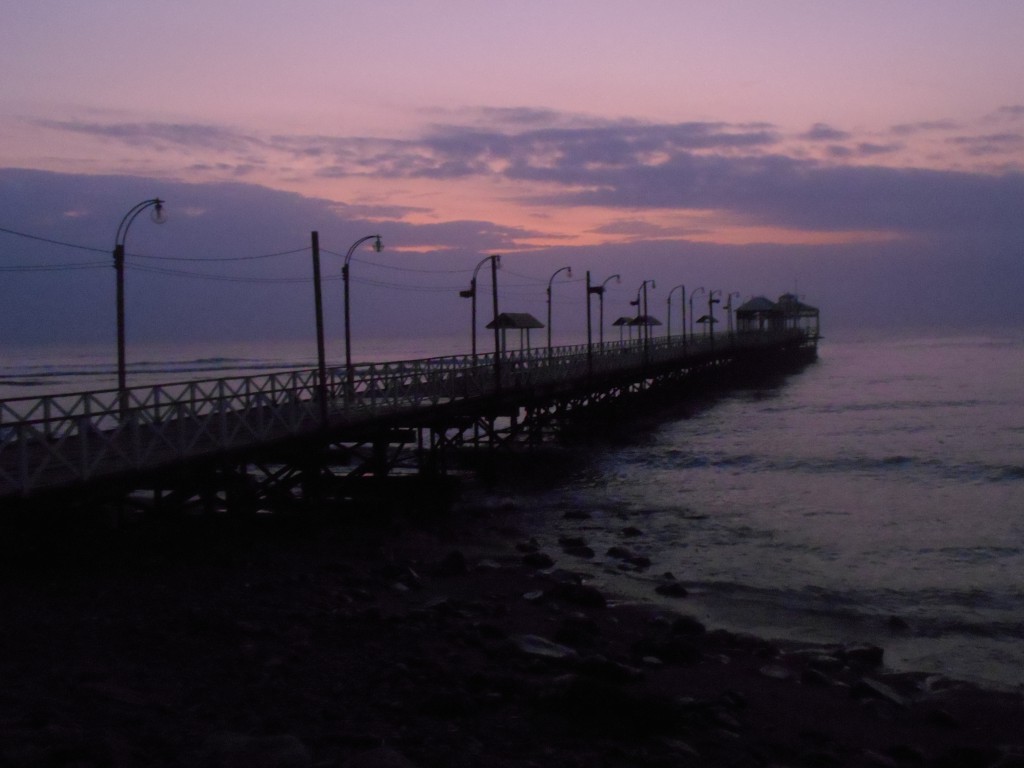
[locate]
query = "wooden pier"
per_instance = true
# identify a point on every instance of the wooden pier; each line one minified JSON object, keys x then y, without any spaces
{"x":258,"y":441}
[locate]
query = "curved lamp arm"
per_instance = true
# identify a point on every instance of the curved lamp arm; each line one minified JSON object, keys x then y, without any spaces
{"x":378,"y":246}
{"x":158,"y":216}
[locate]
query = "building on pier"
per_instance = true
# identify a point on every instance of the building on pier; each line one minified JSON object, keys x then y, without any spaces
{"x":524,"y":322}
{"x":763,"y":314}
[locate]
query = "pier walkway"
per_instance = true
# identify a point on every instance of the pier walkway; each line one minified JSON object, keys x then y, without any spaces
{"x":293,"y":424}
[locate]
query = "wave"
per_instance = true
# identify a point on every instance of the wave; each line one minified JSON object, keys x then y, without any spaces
{"x":928,"y":613}
{"x":881,"y":466}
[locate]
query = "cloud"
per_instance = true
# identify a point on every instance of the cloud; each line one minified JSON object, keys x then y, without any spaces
{"x":411,"y":288}
{"x":925,"y":126}
{"x":822,"y":132}
{"x":991,"y":144}
{"x":782,"y":191}
{"x":1015,"y":112}
{"x":640,"y":228}
{"x":159,"y":135}
{"x":748,"y":172}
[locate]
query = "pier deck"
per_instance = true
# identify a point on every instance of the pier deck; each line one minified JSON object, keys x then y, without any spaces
{"x":145,"y":437}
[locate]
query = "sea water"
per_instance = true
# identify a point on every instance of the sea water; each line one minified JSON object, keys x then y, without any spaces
{"x":877,"y":495}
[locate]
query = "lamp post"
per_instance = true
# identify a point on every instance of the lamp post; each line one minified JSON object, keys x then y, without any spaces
{"x":668,"y":314}
{"x":599,"y":290}
{"x":692,"y":294}
{"x":711,"y":313}
{"x":318,"y":307}
{"x":728,"y":312}
{"x":471,"y":294}
{"x":122,"y":232}
{"x":377,"y":247}
{"x":568,"y":271}
{"x":645,"y":327}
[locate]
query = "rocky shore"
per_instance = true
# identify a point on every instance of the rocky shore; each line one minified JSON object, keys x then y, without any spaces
{"x":394,"y":642}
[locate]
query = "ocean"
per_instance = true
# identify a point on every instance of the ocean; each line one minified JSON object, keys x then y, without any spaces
{"x":875,"y":496}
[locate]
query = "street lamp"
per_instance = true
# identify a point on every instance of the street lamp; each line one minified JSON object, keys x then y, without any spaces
{"x":599,"y":290}
{"x":471,"y":294}
{"x":668,"y":328}
{"x":568,"y":271}
{"x":728,"y":312}
{"x":711,"y":312}
{"x":645,"y":327}
{"x":377,"y":247}
{"x":122,"y":232}
{"x":692,"y":294}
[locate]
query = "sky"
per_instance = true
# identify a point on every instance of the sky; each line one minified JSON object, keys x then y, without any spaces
{"x":868,"y":156}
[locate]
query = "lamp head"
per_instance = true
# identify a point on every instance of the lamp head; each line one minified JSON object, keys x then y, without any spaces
{"x":653,"y":284}
{"x":158,"y":214}
{"x":467,"y":294}
{"x":378,"y":246}
{"x":568,"y":271}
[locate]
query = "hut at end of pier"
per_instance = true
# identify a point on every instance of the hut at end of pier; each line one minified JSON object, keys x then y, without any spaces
{"x":762,"y":314}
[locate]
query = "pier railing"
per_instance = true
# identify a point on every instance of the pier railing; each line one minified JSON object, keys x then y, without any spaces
{"x":59,"y":439}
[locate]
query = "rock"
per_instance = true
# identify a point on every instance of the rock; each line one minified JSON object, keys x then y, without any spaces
{"x":671,"y":589}
{"x":876,"y":759}
{"x":869,"y":655}
{"x":671,"y":650}
{"x":538,"y":560}
{"x":585,"y":552}
{"x":578,"y":594}
{"x":571,"y":541}
{"x":812,"y":676}
{"x":381,"y":757}
{"x":868,"y":688}
{"x":562,"y":576}
{"x":577,"y":631}
{"x":576,"y":514}
{"x":630,"y":532}
{"x":620,"y":553}
{"x":896,"y":624}
{"x":605,"y":669}
{"x":687,"y":625}
{"x":236,"y":750}
{"x":454,"y":564}
{"x":1010,"y":757}
{"x":776,"y":672}
{"x":941,"y":717}
{"x":906,"y":753}
{"x":535,"y":645}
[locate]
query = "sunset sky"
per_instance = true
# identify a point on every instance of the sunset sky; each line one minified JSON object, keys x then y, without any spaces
{"x":868,"y":155}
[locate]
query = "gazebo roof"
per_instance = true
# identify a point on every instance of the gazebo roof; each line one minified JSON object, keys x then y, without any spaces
{"x":791,"y":305}
{"x":510,"y":320}
{"x":643,"y":320}
{"x":758,"y":304}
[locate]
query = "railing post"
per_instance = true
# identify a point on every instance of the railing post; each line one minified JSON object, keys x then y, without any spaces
{"x":319,"y":307}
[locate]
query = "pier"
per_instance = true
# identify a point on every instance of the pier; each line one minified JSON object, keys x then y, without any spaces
{"x":256,"y":441}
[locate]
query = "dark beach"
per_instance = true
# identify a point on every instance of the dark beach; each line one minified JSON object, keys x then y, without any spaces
{"x":376,"y":638}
